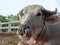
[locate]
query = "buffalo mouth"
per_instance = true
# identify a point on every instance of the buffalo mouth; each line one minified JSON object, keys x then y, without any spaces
{"x":27,"y":33}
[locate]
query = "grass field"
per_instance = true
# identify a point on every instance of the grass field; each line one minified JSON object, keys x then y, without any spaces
{"x":10,"y":38}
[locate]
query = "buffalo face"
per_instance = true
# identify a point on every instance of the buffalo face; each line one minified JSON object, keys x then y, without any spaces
{"x":31,"y":19}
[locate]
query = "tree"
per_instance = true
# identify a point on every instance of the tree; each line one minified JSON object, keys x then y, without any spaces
{"x":3,"y":19}
{"x":11,"y":17}
{"x":16,"y":17}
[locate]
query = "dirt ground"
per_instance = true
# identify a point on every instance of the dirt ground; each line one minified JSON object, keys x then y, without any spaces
{"x":8,"y":38}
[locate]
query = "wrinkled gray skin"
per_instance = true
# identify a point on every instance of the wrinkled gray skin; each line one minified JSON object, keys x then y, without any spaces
{"x":31,"y":16}
{"x":53,"y":30}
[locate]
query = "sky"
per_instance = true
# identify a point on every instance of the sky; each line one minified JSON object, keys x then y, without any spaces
{"x":8,"y":7}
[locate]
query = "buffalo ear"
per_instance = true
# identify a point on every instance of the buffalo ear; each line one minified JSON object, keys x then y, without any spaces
{"x":21,"y":12}
{"x":48,"y":13}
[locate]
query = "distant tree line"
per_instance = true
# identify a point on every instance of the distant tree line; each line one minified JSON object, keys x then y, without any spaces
{"x":9,"y":17}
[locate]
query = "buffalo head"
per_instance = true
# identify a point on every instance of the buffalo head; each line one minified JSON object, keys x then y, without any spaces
{"x":31,"y":19}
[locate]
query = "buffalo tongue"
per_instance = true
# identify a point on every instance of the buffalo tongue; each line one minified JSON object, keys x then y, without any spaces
{"x":27,"y":32}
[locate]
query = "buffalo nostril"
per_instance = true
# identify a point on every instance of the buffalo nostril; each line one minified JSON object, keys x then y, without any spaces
{"x":21,"y":31}
{"x":21,"y":34}
{"x":26,"y":27}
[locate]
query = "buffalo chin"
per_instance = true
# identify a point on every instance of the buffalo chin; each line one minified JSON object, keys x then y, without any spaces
{"x":24,"y":37}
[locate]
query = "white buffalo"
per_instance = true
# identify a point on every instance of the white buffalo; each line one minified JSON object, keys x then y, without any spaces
{"x":38,"y":26}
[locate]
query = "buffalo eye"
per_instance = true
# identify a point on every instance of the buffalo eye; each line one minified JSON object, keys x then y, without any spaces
{"x":38,"y":14}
